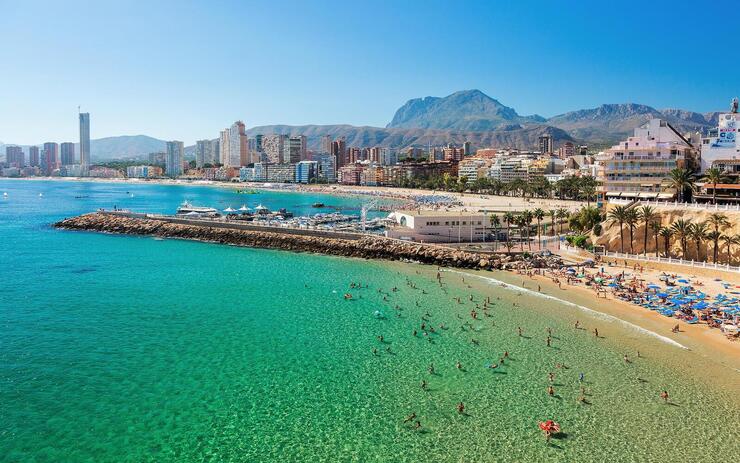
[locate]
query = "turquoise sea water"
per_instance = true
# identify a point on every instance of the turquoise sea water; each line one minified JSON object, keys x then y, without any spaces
{"x":119,"y":348}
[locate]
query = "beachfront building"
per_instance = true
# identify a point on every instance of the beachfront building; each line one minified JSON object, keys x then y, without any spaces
{"x":306,"y":171}
{"x":85,"y":143}
{"x":327,"y":166}
{"x":50,"y":158}
{"x":280,"y":173}
{"x":723,"y":142}
{"x":67,"y":151}
{"x":137,"y":171}
{"x":473,"y":168}
{"x":439,"y":226}
{"x":175,"y":155}
{"x":14,"y":156}
{"x":372,"y":175}
{"x":294,"y":150}
{"x":34,"y":157}
{"x":350,"y":174}
{"x":206,"y":152}
{"x":639,"y":166}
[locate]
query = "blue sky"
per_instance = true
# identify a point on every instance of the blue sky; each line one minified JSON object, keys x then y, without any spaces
{"x":183,"y":70}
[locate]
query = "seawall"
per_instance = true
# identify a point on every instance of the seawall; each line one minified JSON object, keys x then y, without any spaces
{"x":370,"y":247}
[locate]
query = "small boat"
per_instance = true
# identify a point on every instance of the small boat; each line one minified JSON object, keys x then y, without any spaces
{"x":5,"y":193}
{"x":186,"y":208}
{"x":317,"y":205}
{"x":41,"y":195}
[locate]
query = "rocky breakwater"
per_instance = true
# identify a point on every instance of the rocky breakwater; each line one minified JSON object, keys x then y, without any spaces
{"x":370,"y":247}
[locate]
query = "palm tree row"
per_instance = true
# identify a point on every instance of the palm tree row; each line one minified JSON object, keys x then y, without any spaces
{"x":682,"y":230}
{"x":523,"y":221}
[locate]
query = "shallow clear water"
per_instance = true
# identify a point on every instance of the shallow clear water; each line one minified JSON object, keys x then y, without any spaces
{"x":119,"y":348}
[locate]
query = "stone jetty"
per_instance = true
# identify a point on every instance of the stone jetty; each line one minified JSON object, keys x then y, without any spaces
{"x":369,"y":247}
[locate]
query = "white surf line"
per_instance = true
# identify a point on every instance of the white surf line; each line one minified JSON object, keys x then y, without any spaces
{"x":572,"y":304}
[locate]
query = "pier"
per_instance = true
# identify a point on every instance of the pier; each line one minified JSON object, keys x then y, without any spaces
{"x":338,"y":243}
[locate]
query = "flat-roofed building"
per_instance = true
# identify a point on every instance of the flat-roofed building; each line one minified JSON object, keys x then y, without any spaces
{"x":440,"y":226}
{"x":639,"y":166}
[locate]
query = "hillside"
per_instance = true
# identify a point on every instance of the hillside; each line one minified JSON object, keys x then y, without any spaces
{"x":467,"y":110}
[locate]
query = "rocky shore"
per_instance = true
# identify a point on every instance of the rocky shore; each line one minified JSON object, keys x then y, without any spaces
{"x":369,"y":247}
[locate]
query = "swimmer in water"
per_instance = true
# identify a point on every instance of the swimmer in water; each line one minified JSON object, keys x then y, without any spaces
{"x":519,"y":329}
{"x":431,"y":368}
{"x":550,"y":391}
{"x":461,"y":408}
{"x":458,"y":365}
{"x":551,"y":376}
{"x":423,"y":385}
{"x":664,"y":396}
{"x":411,"y":417}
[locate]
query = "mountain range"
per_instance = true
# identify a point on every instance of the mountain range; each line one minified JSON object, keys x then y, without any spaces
{"x":468,"y":115}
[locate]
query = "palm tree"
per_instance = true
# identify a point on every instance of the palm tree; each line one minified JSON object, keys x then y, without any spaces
{"x":562,"y":214}
{"x":619,"y":215}
{"x":666,"y":233}
{"x":714,"y":236}
{"x":682,"y":229}
{"x":714,"y":176}
{"x":589,"y":191}
{"x":508,"y":220}
{"x":655,"y":226}
{"x":729,"y":241}
{"x":719,"y":222}
{"x":681,"y":179}
{"x":631,"y":220}
{"x":553,"y":214}
{"x":447,"y":181}
{"x":698,"y":234}
{"x":496,"y":222}
{"x":527,"y":218}
{"x":647,"y":215}
{"x":539,"y":214}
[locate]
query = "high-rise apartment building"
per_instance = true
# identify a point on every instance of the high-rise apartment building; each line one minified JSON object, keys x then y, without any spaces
{"x":545,"y":144}
{"x":237,"y":154}
{"x":204,"y":153}
{"x":14,"y":156}
{"x":50,"y":158}
{"x":67,"y":153}
{"x":295,"y":150}
{"x":84,"y":143}
{"x":175,"y":155}
{"x":33,"y":156}
{"x":326,"y":144}
{"x":339,"y":151}
{"x":223,"y":143}
{"x":274,"y":146}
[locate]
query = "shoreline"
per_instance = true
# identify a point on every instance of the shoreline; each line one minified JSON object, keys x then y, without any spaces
{"x":696,"y":338}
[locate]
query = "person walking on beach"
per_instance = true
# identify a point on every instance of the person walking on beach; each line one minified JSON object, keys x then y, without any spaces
{"x":596,"y":332}
{"x":549,"y":341}
{"x":519,"y":329}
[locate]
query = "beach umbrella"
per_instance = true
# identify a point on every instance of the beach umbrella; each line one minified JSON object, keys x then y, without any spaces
{"x":244,"y":209}
{"x":662,"y":295}
{"x":652,"y":286}
{"x":683,"y":280}
{"x":701,"y":306}
{"x":229,"y":210}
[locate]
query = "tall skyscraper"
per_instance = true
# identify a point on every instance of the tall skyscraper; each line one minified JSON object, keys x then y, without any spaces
{"x":339,"y":150}
{"x":175,"y":154}
{"x":85,"y":143}
{"x":295,"y":150}
{"x":50,"y":157}
{"x":326,"y":144}
{"x":204,"y":153}
{"x":274,"y":146}
{"x":33,"y":156}
{"x":545,"y":144}
{"x":14,"y":156}
{"x":223,"y":154}
{"x":237,"y":154}
{"x":68,"y":153}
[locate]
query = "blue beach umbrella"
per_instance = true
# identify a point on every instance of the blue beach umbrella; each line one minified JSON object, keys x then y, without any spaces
{"x":663,"y":295}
